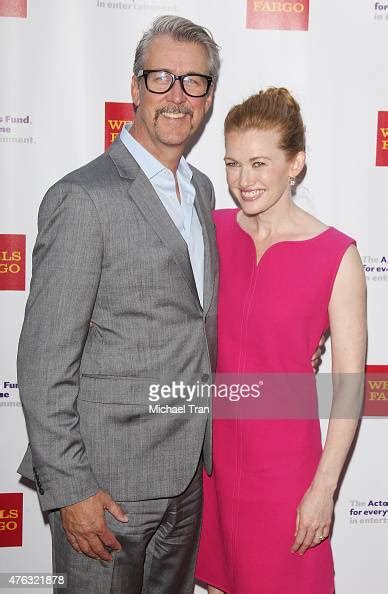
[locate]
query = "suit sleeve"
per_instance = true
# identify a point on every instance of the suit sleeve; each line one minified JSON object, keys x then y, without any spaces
{"x":212,"y":196}
{"x":66,"y":269}
{"x":210,"y":191}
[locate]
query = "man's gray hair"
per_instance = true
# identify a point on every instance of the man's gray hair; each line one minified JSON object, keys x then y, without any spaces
{"x":179,"y":29}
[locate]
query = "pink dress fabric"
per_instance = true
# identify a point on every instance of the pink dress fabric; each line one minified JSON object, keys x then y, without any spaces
{"x":271,"y":317}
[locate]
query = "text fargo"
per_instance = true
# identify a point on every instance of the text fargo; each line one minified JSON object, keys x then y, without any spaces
{"x":8,"y":262}
{"x":297,"y":7}
{"x":384,"y":141}
{"x":378,"y":390}
{"x":7,"y":519}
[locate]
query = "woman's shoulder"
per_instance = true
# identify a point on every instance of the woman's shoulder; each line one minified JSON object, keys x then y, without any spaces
{"x":341,"y":236}
{"x":223,"y":216}
{"x":316,"y":228}
{"x":337,"y":240}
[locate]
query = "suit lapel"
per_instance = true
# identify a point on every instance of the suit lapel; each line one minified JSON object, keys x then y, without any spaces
{"x":142,"y":193}
{"x":209,"y":245}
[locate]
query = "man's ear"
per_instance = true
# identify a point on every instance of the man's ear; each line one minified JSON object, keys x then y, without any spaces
{"x":209,"y":99}
{"x":135,"y":90}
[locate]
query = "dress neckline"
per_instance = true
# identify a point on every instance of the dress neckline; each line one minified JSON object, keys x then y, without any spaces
{"x":277,"y":243}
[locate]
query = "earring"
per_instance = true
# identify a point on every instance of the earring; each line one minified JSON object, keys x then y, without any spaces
{"x":292,"y":181}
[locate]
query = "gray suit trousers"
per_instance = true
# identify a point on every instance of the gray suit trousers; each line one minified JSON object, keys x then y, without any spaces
{"x":159,"y":548}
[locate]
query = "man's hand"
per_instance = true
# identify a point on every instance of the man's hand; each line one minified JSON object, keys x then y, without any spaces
{"x":86,"y":529}
{"x":316,"y":359}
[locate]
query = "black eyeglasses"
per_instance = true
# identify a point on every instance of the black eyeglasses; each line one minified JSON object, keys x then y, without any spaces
{"x":161,"y":81}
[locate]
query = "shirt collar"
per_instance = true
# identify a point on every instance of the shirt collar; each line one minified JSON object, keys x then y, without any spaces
{"x":148,"y":163}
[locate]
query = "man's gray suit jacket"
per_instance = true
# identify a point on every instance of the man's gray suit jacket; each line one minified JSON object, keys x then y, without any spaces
{"x":113,"y":308}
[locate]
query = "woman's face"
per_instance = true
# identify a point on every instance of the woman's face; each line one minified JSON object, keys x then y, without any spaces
{"x":257,"y":170}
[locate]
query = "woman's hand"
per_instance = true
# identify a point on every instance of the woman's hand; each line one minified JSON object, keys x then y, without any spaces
{"x":313,"y":518}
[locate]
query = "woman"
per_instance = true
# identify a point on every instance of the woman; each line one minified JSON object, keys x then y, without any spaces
{"x":285,"y":278}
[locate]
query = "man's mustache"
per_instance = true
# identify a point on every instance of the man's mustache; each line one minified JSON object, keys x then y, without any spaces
{"x":185,"y":109}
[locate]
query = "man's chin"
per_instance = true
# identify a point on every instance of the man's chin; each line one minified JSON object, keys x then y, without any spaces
{"x":174,"y":138}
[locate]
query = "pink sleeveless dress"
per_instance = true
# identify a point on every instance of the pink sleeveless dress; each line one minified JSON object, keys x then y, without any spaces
{"x":270,"y":319}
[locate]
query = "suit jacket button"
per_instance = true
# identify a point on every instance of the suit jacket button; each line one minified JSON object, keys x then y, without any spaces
{"x":205,"y":377}
{"x":41,"y":491}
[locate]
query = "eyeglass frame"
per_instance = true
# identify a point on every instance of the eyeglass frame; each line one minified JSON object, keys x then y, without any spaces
{"x":144,"y":74}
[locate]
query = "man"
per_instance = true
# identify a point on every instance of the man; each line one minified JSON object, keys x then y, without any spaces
{"x":123,"y":299}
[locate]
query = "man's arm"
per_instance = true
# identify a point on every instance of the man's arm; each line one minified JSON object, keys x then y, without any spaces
{"x":67,"y":261}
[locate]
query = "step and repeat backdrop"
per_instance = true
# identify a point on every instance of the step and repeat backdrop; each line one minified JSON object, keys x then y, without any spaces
{"x":65,"y":69}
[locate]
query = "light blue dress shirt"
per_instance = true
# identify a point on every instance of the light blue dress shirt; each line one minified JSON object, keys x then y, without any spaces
{"x":182,"y":213}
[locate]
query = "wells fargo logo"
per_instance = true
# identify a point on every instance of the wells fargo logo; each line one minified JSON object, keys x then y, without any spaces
{"x":11,"y":519}
{"x":278,"y":15}
{"x":13,"y":8}
{"x":116,"y":116}
{"x":12,"y":262}
{"x":376,"y":391}
{"x":382,"y":139}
